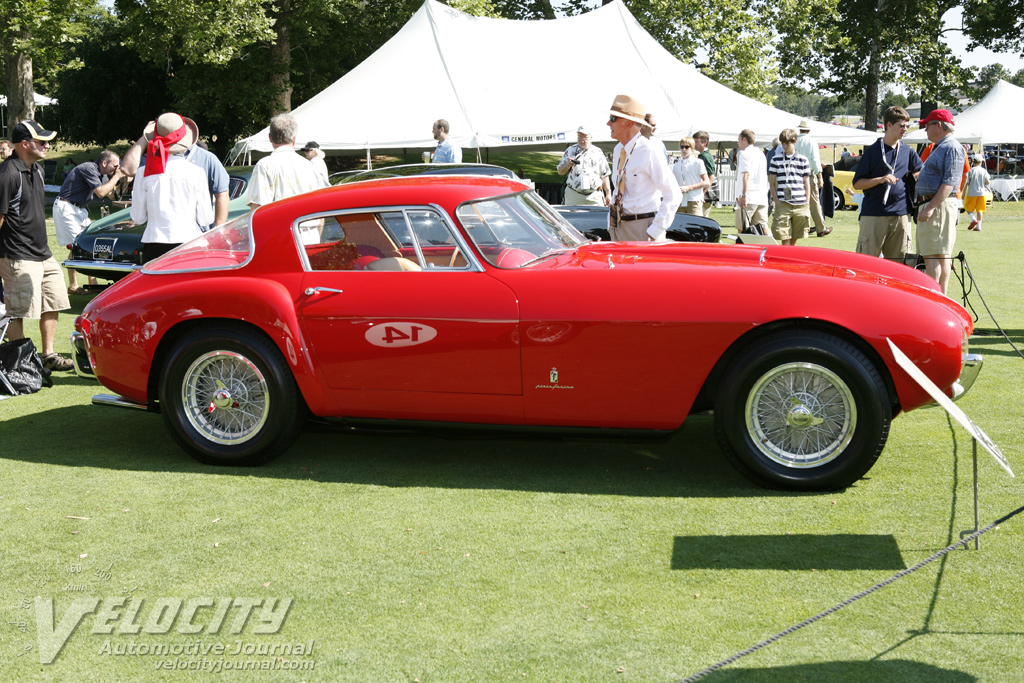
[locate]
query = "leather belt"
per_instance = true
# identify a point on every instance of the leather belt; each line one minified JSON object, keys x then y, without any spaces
{"x":637,"y":216}
{"x":922,"y":198}
{"x":71,"y":202}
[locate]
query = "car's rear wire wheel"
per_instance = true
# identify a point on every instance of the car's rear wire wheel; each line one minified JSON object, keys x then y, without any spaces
{"x":225,"y":397}
{"x":802,"y":411}
{"x":229,"y":398}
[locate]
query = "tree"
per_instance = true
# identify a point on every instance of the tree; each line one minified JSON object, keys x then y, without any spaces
{"x":987,"y":78}
{"x":894,"y":99}
{"x":106,"y":92}
{"x":851,"y":47}
{"x":31,"y":27}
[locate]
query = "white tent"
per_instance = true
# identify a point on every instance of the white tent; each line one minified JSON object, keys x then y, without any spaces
{"x":994,"y":119}
{"x":40,"y":100}
{"x":469,"y":70}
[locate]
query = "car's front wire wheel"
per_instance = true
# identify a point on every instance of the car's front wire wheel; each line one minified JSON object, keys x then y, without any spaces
{"x":802,"y":411}
{"x":229,"y":398}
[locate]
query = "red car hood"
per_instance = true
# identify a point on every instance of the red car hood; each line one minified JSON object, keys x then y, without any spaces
{"x":807,"y":260}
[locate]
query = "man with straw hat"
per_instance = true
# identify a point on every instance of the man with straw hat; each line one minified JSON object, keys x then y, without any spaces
{"x":646,"y":194}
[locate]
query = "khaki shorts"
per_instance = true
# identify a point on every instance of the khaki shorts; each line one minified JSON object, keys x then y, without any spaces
{"x":32,"y":288}
{"x":759,"y":211}
{"x":791,"y":221}
{"x":885,"y":235}
{"x":937,"y":236}
{"x":574,"y":198}
{"x":694,"y":208}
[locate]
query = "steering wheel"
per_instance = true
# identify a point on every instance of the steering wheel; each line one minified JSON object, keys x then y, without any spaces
{"x":455,"y":255}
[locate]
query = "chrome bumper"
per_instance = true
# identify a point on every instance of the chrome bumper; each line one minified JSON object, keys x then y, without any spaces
{"x":83,"y":368}
{"x":118,"y":267}
{"x":972,"y":366}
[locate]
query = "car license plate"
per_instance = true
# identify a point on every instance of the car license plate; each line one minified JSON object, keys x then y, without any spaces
{"x":103,"y":248}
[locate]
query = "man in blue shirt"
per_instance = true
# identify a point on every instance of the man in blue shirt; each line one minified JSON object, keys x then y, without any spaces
{"x":70,"y":208}
{"x":936,"y":190}
{"x":446,"y":152}
{"x":884,"y":213}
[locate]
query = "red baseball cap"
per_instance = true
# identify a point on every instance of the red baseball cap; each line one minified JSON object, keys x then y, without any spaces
{"x":944,"y":115}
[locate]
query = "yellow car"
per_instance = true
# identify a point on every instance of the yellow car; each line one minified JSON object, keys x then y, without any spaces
{"x":842,"y":184}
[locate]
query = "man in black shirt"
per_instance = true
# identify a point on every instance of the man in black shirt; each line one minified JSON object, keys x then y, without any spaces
{"x":33,"y":281}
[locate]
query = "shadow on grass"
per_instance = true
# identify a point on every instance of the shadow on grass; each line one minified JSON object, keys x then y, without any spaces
{"x":795,"y":552}
{"x":689,"y":463}
{"x":840,"y":672}
{"x":990,"y":341}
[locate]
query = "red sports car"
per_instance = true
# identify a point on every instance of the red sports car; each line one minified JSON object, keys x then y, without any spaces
{"x":469,"y":300}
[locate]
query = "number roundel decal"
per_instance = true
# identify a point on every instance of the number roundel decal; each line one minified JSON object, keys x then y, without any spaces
{"x":395,"y":335}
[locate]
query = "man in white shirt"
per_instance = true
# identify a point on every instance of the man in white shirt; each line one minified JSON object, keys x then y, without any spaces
{"x":283,"y":173}
{"x":313,"y":152}
{"x":751,"y":183}
{"x":171,"y":196}
{"x":588,"y":172}
{"x":646,"y":194}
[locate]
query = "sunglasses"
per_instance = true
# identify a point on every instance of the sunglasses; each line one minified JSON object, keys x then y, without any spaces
{"x":684,"y":147}
{"x":612,"y":119}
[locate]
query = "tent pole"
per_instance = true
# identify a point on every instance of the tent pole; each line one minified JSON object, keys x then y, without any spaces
{"x":369,"y":164}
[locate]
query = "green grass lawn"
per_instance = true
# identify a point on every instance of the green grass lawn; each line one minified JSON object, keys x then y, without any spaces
{"x":414,"y":558}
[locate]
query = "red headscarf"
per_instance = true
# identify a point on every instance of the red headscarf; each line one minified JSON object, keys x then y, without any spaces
{"x":156,"y":151}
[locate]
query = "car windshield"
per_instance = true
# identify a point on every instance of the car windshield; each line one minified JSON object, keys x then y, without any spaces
{"x":516,"y":230}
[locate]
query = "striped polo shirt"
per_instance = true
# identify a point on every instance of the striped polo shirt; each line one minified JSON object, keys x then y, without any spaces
{"x":790,"y":171}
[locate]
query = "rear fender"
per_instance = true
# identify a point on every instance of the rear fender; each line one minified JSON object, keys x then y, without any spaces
{"x":265,"y":305}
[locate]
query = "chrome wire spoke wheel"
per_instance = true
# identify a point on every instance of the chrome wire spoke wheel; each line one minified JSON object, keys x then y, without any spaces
{"x":226,"y":397}
{"x":801,"y":415}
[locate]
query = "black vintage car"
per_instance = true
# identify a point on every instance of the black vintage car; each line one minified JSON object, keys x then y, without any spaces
{"x":111,"y":247}
{"x":592,"y":221}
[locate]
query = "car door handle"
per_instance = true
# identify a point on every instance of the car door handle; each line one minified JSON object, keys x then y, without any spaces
{"x":310,"y":291}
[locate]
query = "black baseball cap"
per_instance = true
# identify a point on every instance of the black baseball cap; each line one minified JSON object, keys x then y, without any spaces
{"x":312,"y":144}
{"x":30,"y":130}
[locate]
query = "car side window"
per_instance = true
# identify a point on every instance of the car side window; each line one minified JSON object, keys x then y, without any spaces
{"x":403,"y":240}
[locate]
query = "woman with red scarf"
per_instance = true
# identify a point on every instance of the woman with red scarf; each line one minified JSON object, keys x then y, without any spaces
{"x":172,"y":197}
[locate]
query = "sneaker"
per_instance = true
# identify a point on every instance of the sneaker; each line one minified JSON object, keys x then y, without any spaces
{"x":58,"y":363}
{"x":973,"y":225}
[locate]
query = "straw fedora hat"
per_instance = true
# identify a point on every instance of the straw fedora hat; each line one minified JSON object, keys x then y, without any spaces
{"x":626,"y":107}
{"x":170,"y":122}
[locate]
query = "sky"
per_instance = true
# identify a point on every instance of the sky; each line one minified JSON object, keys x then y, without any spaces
{"x":979,"y":57}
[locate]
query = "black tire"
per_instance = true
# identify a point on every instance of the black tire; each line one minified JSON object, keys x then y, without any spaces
{"x":838,"y":199}
{"x":802,"y":411}
{"x":228,"y":397}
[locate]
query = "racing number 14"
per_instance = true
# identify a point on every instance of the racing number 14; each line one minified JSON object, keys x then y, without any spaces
{"x":398,"y":334}
{"x":393,"y":334}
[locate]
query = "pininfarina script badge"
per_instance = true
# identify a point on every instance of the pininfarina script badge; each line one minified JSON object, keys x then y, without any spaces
{"x":553,"y":377}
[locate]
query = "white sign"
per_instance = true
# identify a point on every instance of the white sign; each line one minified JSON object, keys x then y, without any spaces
{"x":960,"y":416}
